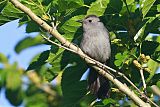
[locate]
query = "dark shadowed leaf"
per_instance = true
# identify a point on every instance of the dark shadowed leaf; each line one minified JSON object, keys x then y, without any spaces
{"x":149,"y":47}
{"x":155,"y":79}
{"x":55,"y":58}
{"x":35,"y":98}
{"x":14,"y":96}
{"x":114,"y":7}
{"x":40,"y":61}
{"x":153,"y":66}
{"x":32,"y":27}
{"x":87,"y":100}
{"x":3,"y":4}
{"x":73,"y":89}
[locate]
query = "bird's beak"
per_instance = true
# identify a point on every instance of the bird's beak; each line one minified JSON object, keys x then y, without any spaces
{"x":80,"y":21}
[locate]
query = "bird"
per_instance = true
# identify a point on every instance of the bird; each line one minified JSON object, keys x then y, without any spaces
{"x":96,"y":44}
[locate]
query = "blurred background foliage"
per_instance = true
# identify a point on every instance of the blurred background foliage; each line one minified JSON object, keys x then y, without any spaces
{"x":54,"y":77}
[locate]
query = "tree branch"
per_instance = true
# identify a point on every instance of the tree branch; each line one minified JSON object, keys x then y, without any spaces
{"x":37,"y":81}
{"x":66,"y":43}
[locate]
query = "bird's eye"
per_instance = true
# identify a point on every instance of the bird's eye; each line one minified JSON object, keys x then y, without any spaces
{"x":90,"y":21}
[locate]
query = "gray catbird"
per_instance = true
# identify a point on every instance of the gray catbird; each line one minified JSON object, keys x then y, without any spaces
{"x":96,"y":44}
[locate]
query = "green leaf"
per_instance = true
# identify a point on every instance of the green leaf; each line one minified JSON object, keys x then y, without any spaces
{"x":149,"y":47}
{"x":158,"y":84}
{"x":3,"y":4}
{"x":35,"y":99}
{"x":72,"y":88}
{"x":114,"y":7}
{"x":13,"y":78}
{"x":32,"y":27}
{"x":146,"y":5}
{"x":28,"y":42}
{"x":109,"y":101}
{"x":98,"y":7}
{"x":153,"y":66}
{"x":14,"y":96}
{"x":69,"y":4}
{"x":98,"y":104}
{"x":156,"y":39}
{"x":3,"y":78}
{"x":9,"y":13}
{"x":55,"y":58}
{"x":71,"y":28}
{"x":149,"y":27}
{"x":3,"y":58}
{"x":158,"y":7}
{"x":40,"y":61}
{"x":140,"y":34}
{"x":129,"y":1}
{"x":120,"y":58}
{"x":87,"y":100}
{"x":36,"y":6}
{"x":155,"y":79}
{"x":49,"y":75}
{"x":153,"y":38}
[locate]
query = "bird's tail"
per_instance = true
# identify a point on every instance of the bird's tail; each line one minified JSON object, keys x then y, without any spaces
{"x":98,"y":85}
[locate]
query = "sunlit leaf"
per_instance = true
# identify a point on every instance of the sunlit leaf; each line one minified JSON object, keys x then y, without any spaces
{"x":158,"y":7}
{"x":3,"y":58}
{"x":69,"y":4}
{"x":108,"y":101}
{"x":146,"y":5}
{"x":28,"y":42}
{"x":9,"y":13}
{"x":71,"y":26}
{"x":98,"y":7}
{"x":13,"y":78}
{"x":120,"y":58}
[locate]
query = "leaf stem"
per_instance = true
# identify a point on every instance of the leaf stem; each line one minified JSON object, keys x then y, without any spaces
{"x":127,"y":7}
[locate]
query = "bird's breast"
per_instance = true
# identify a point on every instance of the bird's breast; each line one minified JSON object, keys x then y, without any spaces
{"x":96,"y":44}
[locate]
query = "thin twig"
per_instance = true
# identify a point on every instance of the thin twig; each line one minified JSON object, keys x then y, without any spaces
{"x":59,"y":45}
{"x":127,"y":7}
{"x":142,"y":76}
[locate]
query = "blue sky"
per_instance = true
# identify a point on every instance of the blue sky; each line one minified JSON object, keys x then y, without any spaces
{"x":10,"y":34}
